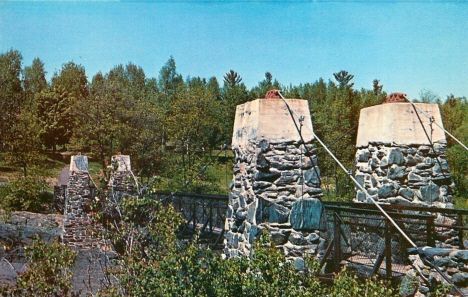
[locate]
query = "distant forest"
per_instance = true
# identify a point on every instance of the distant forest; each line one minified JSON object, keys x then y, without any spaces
{"x":171,"y":126}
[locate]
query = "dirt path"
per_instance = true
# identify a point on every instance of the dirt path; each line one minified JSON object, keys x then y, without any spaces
{"x":63,"y":176}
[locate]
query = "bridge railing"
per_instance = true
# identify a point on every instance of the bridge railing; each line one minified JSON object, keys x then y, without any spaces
{"x":206,"y":213}
{"x":203,"y":213}
{"x":362,"y":236}
{"x":447,"y":228}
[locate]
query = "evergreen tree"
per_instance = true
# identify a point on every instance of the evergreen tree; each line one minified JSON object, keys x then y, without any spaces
{"x":376,"y":87}
{"x":232,"y":79}
{"x":343,"y":78}
{"x":265,"y":85}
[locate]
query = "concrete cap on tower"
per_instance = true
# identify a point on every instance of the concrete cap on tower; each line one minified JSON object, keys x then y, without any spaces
{"x":122,"y":162}
{"x":78,"y":163}
{"x":271,"y":120}
{"x":398,"y":123}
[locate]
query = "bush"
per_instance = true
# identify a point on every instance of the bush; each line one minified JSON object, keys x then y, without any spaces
{"x":26,"y":194}
{"x":47,"y":274}
{"x":153,"y":262}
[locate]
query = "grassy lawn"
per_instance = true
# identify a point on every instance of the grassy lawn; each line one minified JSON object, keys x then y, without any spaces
{"x":222,"y":174}
{"x":49,"y":170}
{"x":218,"y":174}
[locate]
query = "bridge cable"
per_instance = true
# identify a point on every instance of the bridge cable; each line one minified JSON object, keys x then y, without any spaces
{"x":440,"y":127}
{"x":431,"y":121}
{"x":292,"y":112}
{"x":422,"y":255}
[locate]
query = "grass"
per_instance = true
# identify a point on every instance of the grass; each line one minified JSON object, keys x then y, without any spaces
{"x":49,"y":170}
{"x":221,"y":173}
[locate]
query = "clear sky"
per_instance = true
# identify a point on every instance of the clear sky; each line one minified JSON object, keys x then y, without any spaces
{"x":409,"y":46}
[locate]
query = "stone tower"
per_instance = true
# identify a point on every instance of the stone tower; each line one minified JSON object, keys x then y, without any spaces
{"x":400,"y":157}
{"x":121,"y":181}
{"x":276,"y":184}
{"x":77,"y":221}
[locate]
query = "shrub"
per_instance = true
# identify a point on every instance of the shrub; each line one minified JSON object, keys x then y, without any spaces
{"x":153,"y":262}
{"x":26,"y":194}
{"x":48,"y":272}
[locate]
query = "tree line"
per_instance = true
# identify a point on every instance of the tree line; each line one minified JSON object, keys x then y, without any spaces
{"x":170,"y":124}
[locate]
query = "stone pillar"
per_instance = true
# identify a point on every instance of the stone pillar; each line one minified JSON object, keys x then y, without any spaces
{"x":77,"y":222}
{"x":121,"y":181}
{"x":395,"y":161}
{"x":276,"y":184}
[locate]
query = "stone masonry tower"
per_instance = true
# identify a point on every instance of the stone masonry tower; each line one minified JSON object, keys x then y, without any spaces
{"x":77,"y":221}
{"x":276,"y":183}
{"x":121,"y":181}
{"x":397,"y":161}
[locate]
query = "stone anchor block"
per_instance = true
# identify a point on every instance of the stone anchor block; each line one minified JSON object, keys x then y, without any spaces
{"x":79,"y":163}
{"x":76,"y":220}
{"x":121,"y":163}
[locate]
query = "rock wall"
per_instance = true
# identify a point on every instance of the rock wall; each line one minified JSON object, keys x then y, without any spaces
{"x":397,"y":164}
{"x":404,"y":174}
{"x":400,"y":156}
{"x":277,"y":187}
{"x":77,"y":221}
{"x":276,"y":184}
{"x":452,"y":262}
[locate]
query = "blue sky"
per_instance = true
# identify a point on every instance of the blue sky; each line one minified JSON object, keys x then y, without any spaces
{"x":409,"y":46}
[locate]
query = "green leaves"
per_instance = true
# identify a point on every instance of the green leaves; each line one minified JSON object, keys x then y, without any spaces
{"x":48,"y":272}
{"x":27,"y":194}
{"x":153,"y":262}
{"x":22,"y":143}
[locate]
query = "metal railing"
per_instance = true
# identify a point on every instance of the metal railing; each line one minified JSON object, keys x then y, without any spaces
{"x":363,"y":238}
{"x":359,"y":232}
{"x":204,"y":214}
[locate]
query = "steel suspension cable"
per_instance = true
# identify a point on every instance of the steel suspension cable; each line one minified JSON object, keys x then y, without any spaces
{"x":442,"y":128}
{"x":431,"y":121}
{"x":358,"y":184}
{"x":422,"y":255}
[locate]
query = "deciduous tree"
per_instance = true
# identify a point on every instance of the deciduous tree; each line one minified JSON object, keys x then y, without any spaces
{"x":11,"y":92}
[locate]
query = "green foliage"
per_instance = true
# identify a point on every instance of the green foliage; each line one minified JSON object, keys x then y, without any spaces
{"x":25,"y":194}
{"x":454,"y":113}
{"x":11,"y":92}
{"x":344,"y":79}
{"x":72,"y":78}
{"x":48,"y":272}
{"x":34,"y":80}
{"x":348,"y":285}
{"x":22,"y":143}
{"x":54,"y":113}
{"x":232,"y":79}
{"x":152,"y":262}
{"x":440,"y":290}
